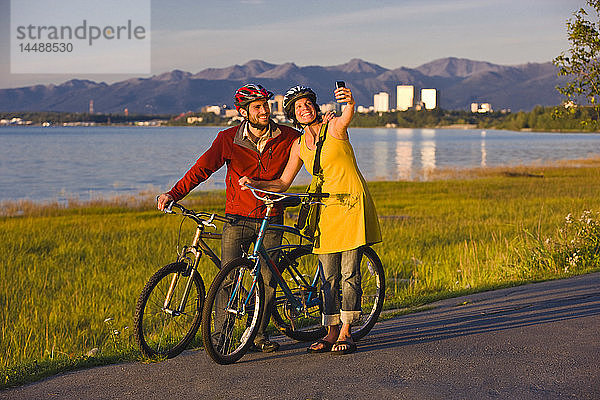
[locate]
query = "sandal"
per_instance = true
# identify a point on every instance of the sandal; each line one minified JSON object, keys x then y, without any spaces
{"x":324,"y":349}
{"x":347,"y":350}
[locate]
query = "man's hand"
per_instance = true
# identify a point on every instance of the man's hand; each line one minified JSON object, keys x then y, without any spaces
{"x":163,"y":200}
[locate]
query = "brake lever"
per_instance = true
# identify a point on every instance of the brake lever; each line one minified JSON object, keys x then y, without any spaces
{"x":208,"y":223}
{"x":169,"y":208}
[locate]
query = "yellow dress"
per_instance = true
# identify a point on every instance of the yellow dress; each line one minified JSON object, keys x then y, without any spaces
{"x":349,"y":219}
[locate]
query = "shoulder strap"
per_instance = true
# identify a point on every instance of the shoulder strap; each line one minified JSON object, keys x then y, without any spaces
{"x":317,"y":164}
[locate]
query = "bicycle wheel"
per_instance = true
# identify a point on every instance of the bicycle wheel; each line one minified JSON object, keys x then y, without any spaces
{"x":298,"y":269}
{"x":232,"y":312}
{"x":165,"y":328}
{"x":373,"y":292}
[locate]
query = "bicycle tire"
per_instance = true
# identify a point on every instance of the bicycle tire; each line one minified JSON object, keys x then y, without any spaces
{"x":306,"y":327}
{"x":158,"y":332}
{"x":373,"y":296}
{"x":373,"y":292}
{"x":228,"y":330}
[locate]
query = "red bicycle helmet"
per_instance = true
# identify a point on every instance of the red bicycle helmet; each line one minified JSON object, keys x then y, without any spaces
{"x":248,"y":93}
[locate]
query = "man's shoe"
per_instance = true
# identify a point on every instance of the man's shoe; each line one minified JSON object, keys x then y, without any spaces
{"x":265,"y":346}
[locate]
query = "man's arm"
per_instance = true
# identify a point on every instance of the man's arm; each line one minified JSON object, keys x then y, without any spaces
{"x":205,"y":166}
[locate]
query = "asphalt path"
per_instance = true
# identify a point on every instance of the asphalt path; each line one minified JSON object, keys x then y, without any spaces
{"x":537,"y":341}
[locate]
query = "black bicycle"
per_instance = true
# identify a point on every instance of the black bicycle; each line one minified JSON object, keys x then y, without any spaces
{"x":169,"y":310}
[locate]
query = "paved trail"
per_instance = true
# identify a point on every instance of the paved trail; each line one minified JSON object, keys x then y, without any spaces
{"x":537,"y":341}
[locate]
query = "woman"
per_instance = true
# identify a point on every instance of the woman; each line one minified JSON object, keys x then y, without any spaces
{"x":348,"y":220}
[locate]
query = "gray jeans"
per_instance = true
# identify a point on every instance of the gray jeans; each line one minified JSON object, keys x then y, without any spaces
{"x":343,"y":269}
{"x":236,"y":239}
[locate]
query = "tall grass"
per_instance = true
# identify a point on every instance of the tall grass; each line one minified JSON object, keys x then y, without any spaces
{"x":71,"y":276}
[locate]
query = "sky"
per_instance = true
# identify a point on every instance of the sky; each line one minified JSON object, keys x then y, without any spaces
{"x":192,"y":35}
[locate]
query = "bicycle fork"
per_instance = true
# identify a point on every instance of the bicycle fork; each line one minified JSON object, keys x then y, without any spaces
{"x":192,"y":270}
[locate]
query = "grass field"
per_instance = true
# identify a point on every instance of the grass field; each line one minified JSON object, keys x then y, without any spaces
{"x":71,"y":276}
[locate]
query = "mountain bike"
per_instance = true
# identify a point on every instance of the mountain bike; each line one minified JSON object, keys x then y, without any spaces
{"x":235,"y":301}
{"x":169,"y":310}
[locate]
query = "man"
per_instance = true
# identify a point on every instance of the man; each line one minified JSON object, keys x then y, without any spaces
{"x":258,"y":148}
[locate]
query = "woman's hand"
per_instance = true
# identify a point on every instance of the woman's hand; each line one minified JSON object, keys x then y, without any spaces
{"x":340,"y":125}
{"x":244,"y":180}
{"x":328,"y":116}
{"x":344,"y":95}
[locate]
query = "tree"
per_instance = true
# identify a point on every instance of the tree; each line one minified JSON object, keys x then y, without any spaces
{"x":581,"y":63}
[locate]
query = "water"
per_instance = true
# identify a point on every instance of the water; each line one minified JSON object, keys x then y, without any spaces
{"x":56,"y":163}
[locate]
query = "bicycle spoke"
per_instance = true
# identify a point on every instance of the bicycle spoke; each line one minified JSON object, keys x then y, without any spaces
{"x":373,"y":290}
{"x":299,"y":268}
{"x":161,"y":332}
{"x":231,"y":313}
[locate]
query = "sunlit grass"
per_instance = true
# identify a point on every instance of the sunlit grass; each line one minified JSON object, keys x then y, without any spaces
{"x":71,"y":275}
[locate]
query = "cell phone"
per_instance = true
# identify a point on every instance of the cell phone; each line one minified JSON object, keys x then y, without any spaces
{"x":340,"y":84}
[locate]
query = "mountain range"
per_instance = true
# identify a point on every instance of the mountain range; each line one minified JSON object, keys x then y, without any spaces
{"x":459,"y":83}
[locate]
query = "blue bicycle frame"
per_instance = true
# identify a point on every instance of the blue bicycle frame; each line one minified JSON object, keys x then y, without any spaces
{"x":259,"y":250}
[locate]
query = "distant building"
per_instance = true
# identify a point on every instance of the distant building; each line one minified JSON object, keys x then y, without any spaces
{"x":335,"y":107}
{"x":16,"y":121}
{"x":485,"y":108}
{"x":193,"y":120}
{"x":277,"y":105}
{"x":232,"y":112}
{"x":481,"y":107}
{"x":91,"y":109}
{"x":429,"y":98}
{"x":381,"y":102}
{"x":211,"y":109}
{"x":405,"y":96}
{"x":363,"y":109}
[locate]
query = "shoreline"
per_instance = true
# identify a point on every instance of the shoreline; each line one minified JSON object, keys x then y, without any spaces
{"x":144,"y":199}
{"x":466,"y":127}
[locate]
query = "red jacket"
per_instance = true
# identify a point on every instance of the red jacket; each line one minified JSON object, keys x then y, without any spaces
{"x":243,"y":159}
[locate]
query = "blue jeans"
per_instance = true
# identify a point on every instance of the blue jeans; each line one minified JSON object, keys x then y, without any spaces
{"x":236,"y":239}
{"x":341,"y":269}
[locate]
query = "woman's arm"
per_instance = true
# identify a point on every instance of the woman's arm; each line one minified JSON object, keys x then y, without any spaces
{"x":287,"y":177}
{"x":339,"y":126}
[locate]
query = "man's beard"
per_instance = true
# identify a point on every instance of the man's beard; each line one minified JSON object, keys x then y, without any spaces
{"x":257,"y":125}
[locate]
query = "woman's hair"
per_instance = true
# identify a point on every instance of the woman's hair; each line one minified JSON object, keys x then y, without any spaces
{"x":296,"y":93}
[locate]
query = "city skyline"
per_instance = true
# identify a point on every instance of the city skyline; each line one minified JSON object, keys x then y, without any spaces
{"x":199,"y":34}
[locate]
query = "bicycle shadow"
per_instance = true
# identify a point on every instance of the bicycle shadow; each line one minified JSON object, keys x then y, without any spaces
{"x":518,"y":307}
{"x":527,"y":309}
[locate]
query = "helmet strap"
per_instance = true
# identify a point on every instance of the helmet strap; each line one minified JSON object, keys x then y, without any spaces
{"x":318,"y":118}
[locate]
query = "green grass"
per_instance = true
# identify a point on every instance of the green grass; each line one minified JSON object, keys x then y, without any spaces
{"x":71,"y":276}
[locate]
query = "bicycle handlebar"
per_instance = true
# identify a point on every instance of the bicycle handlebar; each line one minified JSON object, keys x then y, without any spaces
{"x":280,"y":197}
{"x":200,"y":217}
